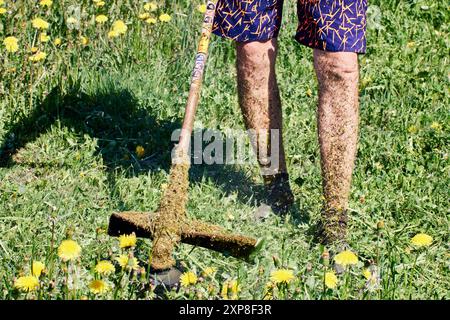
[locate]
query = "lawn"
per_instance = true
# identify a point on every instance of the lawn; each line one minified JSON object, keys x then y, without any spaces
{"x":70,"y":125}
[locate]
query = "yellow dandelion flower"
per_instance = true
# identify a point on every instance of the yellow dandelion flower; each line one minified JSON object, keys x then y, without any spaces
{"x":140,"y":151}
{"x":165,"y":17}
{"x":436,"y":126}
{"x":11,"y":44}
{"x":372,"y":278}
{"x":72,"y":20}
{"x":43,"y":37}
{"x":144,"y":16}
{"x":151,"y":6}
{"x":3,"y":10}
{"x":127,"y":263}
{"x":234,"y":289}
{"x":69,"y":250}
{"x":120,"y":27}
{"x":224,"y":291}
{"x":330,"y":280}
{"x":122,"y":260}
{"x":84,"y":40}
{"x":282,"y":276}
{"x":34,"y":49}
{"x":105,"y":267}
{"x":268,"y":291}
{"x":100,"y":3}
{"x":201,"y":8}
{"x":230,"y":289}
{"x":98,"y":286}
{"x":422,"y":240}
{"x":367,"y":274}
{"x":39,"y":56}
{"x":27,"y":283}
{"x":410,"y":44}
{"x":101,"y":18}
{"x":209,"y":271}
{"x":151,"y":21}
{"x":113,"y":34}
{"x":37,"y":268}
{"x":57,"y":41}
{"x":188,"y":278}
{"x":127,"y":240}
{"x":346,"y":258}
{"x":39,"y":23}
{"x":46,"y":3}
{"x":413,"y":129}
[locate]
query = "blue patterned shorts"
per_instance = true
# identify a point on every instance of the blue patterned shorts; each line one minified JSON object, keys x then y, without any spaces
{"x":330,"y":25}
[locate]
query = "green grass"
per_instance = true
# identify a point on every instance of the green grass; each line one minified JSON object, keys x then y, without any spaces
{"x":76,"y":118}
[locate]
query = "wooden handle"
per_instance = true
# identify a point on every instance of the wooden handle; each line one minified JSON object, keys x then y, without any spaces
{"x":197,"y":78}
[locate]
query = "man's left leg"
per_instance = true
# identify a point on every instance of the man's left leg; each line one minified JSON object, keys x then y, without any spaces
{"x":336,"y":30}
{"x":338,"y":118}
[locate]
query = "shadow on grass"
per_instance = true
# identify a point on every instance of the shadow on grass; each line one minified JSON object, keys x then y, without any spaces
{"x":119,"y":124}
{"x":114,"y":118}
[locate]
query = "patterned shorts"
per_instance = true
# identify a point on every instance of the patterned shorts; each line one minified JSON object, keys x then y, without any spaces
{"x":330,"y":25}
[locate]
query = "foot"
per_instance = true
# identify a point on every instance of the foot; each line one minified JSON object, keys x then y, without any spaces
{"x":279,"y":196}
{"x":332,"y":227}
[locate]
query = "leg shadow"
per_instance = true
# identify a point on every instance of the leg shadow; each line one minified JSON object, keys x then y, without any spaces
{"x":114,"y":118}
{"x":119,"y":123}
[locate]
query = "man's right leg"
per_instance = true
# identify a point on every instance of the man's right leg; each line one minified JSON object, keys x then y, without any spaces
{"x":259,"y":99}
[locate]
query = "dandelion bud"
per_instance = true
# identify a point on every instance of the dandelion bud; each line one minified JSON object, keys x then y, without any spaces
{"x":69,"y":233}
{"x":276,"y":261}
{"x":380,"y":225}
{"x":325,"y":258}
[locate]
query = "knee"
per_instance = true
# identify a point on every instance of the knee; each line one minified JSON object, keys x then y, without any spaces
{"x":344,"y":71}
{"x":256,"y":55}
{"x":340,"y":66}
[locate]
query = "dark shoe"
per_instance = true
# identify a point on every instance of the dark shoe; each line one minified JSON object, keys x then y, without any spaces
{"x":279,"y":196}
{"x":165,"y":280}
{"x":332,"y":227}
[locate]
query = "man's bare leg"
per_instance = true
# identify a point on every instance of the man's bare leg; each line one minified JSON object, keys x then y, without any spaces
{"x":259,"y":99}
{"x":338,"y":120}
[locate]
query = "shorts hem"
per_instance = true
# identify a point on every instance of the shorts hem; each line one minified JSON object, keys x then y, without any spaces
{"x":247,"y":40}
{"x":308,"y":44}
